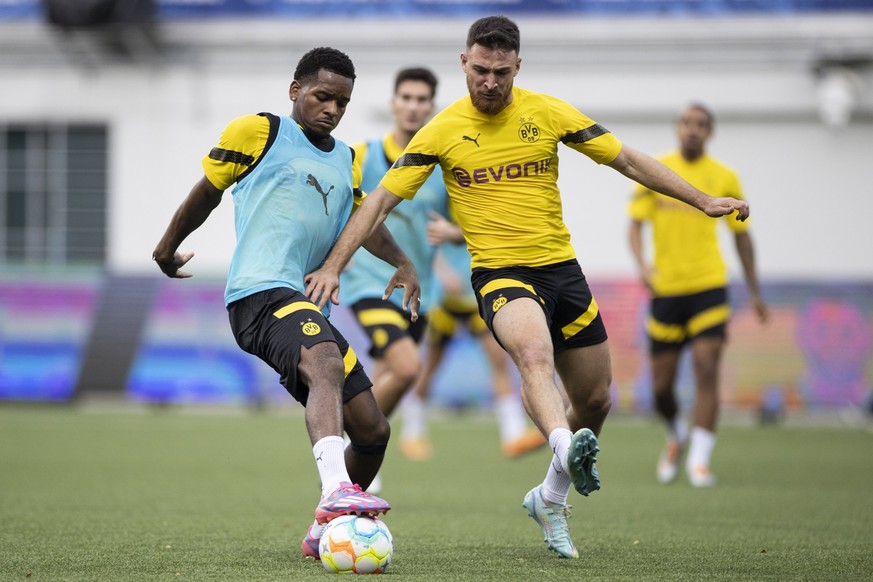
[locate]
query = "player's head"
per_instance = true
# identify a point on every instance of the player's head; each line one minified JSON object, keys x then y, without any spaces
{"x":491,"y":62}
{"x":694,"y":127}
{"x":413,"y":100}
{"x":321,"y":89}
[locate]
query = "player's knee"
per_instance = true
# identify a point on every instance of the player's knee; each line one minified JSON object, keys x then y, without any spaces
{"x":534,"y":355}
{"x":376,"y":434}
{"x":407,"y":370}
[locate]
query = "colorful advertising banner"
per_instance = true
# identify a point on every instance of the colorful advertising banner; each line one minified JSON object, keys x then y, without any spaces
{"x":816,"y":350}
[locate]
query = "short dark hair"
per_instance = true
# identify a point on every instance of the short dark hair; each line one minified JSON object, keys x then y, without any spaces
{"x":329,"y":59}
{"x":710,"y":116}
{"x":495,"y":32}
{"x":416,"y":74}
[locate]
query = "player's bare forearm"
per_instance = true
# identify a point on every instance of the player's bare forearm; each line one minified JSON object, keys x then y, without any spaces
{"x":382,"y":245}
{"x":746,"y":252}
{"x":655,"y":176}
{"x":191,"y":214}
{"x":323,"y":284}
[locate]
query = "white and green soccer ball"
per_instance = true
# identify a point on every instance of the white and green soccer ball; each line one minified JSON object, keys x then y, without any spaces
{"x":356,"y":544}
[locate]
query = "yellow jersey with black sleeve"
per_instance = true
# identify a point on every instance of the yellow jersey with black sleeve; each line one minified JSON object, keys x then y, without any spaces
{"x":242,"y":145}
{"x":687,"y":258}
{"x":501,"y":174}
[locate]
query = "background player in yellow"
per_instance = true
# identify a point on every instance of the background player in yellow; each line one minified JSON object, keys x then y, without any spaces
{"x":688,"y":283}
{"x":497,"y":149}
{"x":294,"y":187}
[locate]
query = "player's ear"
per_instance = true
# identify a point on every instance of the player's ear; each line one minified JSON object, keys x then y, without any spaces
{"x":464,"y":62}
{"x":294,"y":90}
{"x":517,"y":65}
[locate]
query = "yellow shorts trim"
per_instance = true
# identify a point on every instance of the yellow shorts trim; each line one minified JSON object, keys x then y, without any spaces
{"x":498,"y":284}
{"x":582,"y":321}
{"x":350,"y":358}
{"x":294,"y":307}
{"x":371,"y":317}
{"x":675,"y":333}
{"x":708,"y":318}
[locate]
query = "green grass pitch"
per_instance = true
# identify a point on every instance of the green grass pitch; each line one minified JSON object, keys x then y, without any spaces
{"x":174,"y":495}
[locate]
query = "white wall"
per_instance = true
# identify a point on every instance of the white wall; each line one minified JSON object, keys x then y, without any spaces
{"x":810,"y":187}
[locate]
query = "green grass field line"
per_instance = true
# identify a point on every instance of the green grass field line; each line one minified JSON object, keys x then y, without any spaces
{"x":176,"y":496}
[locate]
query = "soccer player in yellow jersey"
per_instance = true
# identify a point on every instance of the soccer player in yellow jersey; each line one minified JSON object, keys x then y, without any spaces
{"x":497,"y":149}
{"x":294,"y":187}
{"x":688,"y":283}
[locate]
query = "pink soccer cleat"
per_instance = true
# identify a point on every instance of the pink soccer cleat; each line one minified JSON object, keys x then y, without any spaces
{"x":309,"y":545}
{"x":349,"y":499}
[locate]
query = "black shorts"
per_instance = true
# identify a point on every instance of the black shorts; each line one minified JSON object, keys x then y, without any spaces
{"x":561,"y":290}
{"x":677,"y":319}
{"x":276,"y":323}
{"x":444,"y":319}
{"x":385,"y":323}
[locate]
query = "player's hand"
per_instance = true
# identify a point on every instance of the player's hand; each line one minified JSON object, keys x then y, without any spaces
{"x":760,"y":309}
{"x":440,"y":230}
{"x":322,"y":285}
{"x":716,"y":207}
{"x":170,"y":265}
{"x":647,"y":278}
{"x":406,"y":278}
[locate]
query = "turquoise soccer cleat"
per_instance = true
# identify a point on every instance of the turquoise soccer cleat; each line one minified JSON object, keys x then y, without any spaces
{"x":552,"y":518}
{"x":581,"y":460}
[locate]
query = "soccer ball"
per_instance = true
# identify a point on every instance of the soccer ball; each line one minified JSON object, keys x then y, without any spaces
{"x":356,"y":544}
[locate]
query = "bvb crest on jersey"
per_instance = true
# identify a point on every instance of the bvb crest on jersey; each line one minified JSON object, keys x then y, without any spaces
{"x":311,"y":328}
{"x":528,"y":132}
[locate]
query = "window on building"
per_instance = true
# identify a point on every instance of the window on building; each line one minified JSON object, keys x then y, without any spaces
{"x":53,"y":182}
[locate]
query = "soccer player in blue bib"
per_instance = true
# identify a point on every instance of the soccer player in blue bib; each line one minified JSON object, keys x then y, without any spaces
{"x":497,"y":149}
{"x":295,"y":188}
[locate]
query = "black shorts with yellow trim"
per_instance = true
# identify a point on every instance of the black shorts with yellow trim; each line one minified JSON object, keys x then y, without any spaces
{"x":561,"y":290}
{"x":443,"y":320}
{"x":275,"y":324}
{"x":677,"y":319}
{"x":385,"y":323}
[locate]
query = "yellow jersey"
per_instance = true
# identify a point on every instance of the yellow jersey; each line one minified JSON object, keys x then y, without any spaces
{"x":501,"y":174}
{"x":687,"y":256}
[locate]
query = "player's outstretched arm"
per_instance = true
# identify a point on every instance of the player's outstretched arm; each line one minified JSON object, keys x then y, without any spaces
{"x":322,"y":285}
{"x":192,"y":213}
{"x":654,"y":175}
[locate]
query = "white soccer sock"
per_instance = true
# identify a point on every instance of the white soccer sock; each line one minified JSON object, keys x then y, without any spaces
{"x":414,"y":417}
{"x":700,"y":451}
{"x":559,"y":441}
{"x":678,"y":428}
{"x":510,"y":417}
{"x":329,"y":455}
{"x":556,"y":485}
{"x":317,"y":529}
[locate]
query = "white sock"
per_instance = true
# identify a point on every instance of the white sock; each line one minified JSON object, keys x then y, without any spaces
{"x":559,"y":441}
{"x":510,"y":417}
{"x":678,"y":428}
{"x":330,"y":459}
{"x":414,"y":417}
{"x":317,"y":529}
{"x":556,"y":485}
{"x":702,"y":443}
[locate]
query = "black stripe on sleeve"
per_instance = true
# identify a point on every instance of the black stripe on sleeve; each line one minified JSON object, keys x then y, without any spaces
{"x":586,"y":134}
{"x":231,"y":156}
{"x":271,"y":138}
{"x":415,"y":160}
